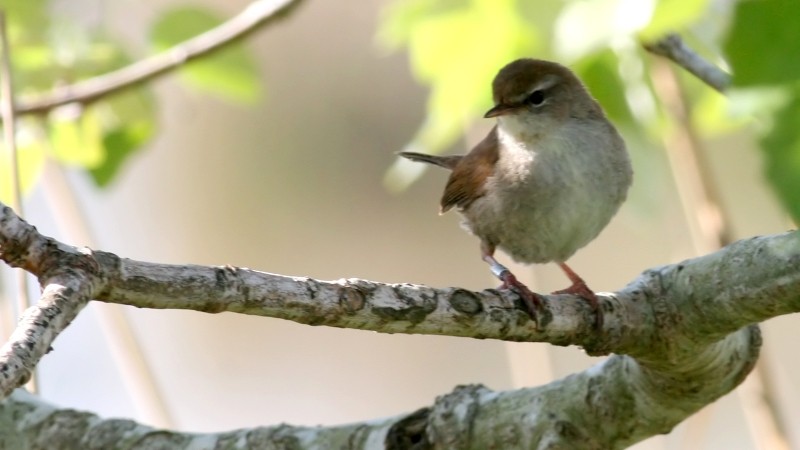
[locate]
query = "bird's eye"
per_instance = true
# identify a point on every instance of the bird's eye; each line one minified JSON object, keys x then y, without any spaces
{"x":536,"y":98}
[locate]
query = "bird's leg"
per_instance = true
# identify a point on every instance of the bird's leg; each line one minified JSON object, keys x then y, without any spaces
{"x":580,"y":289}
{"x":530,"y":299}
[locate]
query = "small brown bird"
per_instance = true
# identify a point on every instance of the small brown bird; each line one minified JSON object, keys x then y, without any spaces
{"x":545,"y":181}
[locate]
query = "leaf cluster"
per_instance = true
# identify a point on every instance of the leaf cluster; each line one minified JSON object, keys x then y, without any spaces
{"x":50,"y":49}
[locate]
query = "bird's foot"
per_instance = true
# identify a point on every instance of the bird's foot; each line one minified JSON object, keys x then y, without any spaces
{"x":531,"y":300}
{"x":580,"y":289}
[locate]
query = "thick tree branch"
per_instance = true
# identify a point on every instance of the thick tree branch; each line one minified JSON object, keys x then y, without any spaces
{"x":674,"y":330}
{"x":576,"y":412}
{"x":672,"y":47}
{"x":257,"y":14}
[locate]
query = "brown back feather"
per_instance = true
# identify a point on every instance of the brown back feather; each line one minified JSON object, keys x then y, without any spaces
{"x":466,"y":183}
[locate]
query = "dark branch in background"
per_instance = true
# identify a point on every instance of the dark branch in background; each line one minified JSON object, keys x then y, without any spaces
{"x":256,"y":15}
{"x":672,"y":47}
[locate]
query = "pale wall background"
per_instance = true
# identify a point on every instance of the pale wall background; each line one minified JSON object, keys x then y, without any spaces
{"x":293,"y":186}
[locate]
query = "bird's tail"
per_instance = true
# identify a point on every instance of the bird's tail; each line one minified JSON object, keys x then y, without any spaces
{"x":448,"y":162}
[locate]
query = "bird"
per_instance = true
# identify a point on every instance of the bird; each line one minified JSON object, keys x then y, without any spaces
{"x":544,"y":182}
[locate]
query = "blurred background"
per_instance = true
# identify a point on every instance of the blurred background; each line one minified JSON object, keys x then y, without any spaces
{"x":298,"y":176}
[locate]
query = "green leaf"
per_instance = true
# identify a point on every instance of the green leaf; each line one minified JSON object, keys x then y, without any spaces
{"x":230,"y":72}
{"x":458,"y":53}
{"x":119,"y":145}
{"x":26,"y":15}
{"x":30,"y":157}
{"x":77,"y":140}
{"x":782,"y":155}
{"x":399,"y":19}
{"x":763,"y":43}
{"x":50,"y":52}
{"x":128,"y":123}
{"x":712,"y":113}
{"x":455,"y":47}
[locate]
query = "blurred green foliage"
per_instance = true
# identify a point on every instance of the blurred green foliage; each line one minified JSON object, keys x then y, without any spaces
{"x":781,"y":147}
{"x":49,"y":49}
{"x":764,"y":42}
{"x":763,"y":47}
{"x":229,"y":73}
{"x":455,"y":48}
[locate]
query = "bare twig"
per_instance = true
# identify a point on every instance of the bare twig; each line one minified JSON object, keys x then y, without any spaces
{"x":256,"y":15}
{"x":672,"y":47}
{"x":702,"y":205}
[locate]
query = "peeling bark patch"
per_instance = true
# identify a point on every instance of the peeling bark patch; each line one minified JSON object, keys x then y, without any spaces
{"x":13,"y":252}
{"x":351,"y":299}
{"x":413,"y":314}
{"x":409,"y":308}
{"x":572,"y":434}
{"x":279,"y":437}
{"x":409,"y":432}
{"x":750,"y":355}
{"x":65,"y":427}
{"x":312,"y":287}
{"x":161,"y":439}
{"x":220,"y":278}
{"x":106,"y":434}
{"x":465,"y":302}
{"x":544,"y":316}
{"x":451,"y":422}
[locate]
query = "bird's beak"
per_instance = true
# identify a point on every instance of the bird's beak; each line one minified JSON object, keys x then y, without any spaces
{"x":500,"y":109}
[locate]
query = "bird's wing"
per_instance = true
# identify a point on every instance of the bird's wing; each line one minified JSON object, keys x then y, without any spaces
{"x":467,"y":182}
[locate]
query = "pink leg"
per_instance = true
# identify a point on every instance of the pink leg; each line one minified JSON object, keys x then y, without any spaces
{"x":532,"y":300}
{"x":580,"y":289}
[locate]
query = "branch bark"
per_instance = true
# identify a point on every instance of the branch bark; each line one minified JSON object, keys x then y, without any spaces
{"x":612,"y":405}
{"x":673,"y":48}
{"x":680,"y":333}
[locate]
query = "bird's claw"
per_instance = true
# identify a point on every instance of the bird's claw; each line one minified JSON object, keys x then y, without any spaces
{"x":531,"y":300}
{"x":580,"y":289}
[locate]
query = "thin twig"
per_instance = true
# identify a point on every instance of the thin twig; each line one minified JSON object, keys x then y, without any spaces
{"x":672,"y":47}
{"x":8,"y":114}
{"x":256,"y":15}
{"x":699,"y":196}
